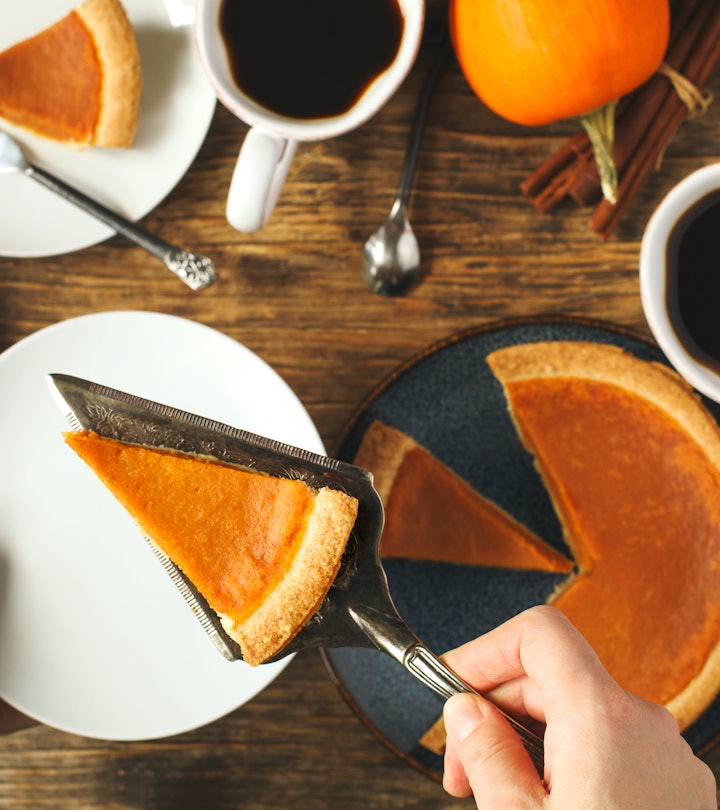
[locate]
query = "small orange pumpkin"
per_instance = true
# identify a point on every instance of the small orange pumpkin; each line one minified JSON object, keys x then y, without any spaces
{"x":538,"y":61}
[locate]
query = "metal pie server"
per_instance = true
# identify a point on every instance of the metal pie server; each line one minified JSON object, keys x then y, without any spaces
{"x":358,"y":610}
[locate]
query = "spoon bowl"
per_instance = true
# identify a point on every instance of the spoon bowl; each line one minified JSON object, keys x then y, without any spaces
{"x":391,"y":256}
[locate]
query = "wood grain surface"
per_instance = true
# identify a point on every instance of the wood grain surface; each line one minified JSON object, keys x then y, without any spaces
{"x":293,"y":294}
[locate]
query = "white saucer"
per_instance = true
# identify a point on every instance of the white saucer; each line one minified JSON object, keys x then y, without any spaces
{"x":94,"y":637}
{"x":176,"y":109}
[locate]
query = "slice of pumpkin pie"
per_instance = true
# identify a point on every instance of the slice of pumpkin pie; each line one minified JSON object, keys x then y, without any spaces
{"x":262,"y":550}
{"x":431,"y":513}
{"x":78,"y":81}
{"x":631,"y":459}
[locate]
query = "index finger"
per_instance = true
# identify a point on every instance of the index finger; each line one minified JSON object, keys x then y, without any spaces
{"x":541,"y":645}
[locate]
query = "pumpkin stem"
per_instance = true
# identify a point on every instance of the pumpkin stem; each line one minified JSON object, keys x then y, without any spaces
{"x":600,"y":127}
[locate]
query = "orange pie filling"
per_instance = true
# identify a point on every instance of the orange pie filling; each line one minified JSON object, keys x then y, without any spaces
{"x":641,"y":507}
{"x":263,"y":551}
{"x":631,"y":459}
{"x":432,"y":514}
{"x":79,"y":81}
{"x":63,"y":103}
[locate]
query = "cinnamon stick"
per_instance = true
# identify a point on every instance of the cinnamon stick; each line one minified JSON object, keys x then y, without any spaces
{"x":699,"y":66}
{"x":563,"y":180}
{"x":554,"y":165}
{"x":639,"y":115}
{"x":553,"y":180}
{"x":637,"y":111}
{"x":646,"y":121}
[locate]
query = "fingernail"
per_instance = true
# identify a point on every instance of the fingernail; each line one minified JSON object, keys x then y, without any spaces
{"x":462,"y":716}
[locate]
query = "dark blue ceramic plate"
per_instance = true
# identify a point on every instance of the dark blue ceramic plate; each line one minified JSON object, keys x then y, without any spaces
{"x":447,"y":399}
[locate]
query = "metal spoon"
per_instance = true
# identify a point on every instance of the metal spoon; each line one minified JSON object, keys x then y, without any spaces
{"x":391,"y":256}
{"x":194,"y":270}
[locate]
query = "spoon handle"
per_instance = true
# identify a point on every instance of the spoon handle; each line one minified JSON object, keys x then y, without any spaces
{"x":418,"y":125}
{"x":194,"y":270}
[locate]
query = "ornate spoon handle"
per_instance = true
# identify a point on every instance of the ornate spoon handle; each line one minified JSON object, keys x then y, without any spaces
{"x":194,"y":270}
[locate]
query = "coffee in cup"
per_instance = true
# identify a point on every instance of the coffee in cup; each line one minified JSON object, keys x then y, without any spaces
{"x":299,"y":71}
{"x":680,"y":278}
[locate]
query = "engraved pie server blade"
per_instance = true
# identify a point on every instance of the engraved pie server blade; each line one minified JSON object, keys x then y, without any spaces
{"x":194,"y":270}
{"x":358,"y":610}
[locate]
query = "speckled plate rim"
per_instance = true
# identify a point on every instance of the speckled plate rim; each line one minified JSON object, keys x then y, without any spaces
{"x":616,"y":334}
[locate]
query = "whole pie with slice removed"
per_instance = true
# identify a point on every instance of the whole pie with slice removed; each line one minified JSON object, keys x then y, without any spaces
{"x":262,"y":550}
{"x":78,"y":81}
{"x":631,"y":459}
{"x":425,"y":500}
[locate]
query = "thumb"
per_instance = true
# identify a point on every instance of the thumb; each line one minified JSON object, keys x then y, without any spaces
{"x":486,"y":756}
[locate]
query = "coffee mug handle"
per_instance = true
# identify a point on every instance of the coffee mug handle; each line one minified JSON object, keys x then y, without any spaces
{"x":260,"y":172}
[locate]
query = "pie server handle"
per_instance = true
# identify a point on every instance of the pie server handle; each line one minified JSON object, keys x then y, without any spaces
{"x":391,"y":635}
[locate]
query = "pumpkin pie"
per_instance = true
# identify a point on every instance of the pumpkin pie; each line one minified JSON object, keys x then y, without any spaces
{"x":424,"y":499}
{"x":77,"y":82}
{"x":262,"y":550}
{"x":631,"y":459}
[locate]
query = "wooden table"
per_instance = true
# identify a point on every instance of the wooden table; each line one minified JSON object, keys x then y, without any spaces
{"x":294,"y":295}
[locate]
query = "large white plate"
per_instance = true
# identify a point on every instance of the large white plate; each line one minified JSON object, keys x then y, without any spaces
{"x":94,"y":637}
{"x":175,"y":113}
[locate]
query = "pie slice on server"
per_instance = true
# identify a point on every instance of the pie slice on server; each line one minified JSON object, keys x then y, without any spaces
{"x":77,"y":82}
{"x":262,"y":550}
{"x":631,"y":459}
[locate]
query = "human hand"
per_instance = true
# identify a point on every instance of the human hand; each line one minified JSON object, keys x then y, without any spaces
{"x":605,"y":749}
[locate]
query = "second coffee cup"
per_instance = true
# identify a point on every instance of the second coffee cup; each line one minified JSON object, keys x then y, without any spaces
{"x":299,"y":71}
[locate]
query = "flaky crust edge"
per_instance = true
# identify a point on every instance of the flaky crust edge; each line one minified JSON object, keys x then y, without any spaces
{"x":122,"y":75}
{"x":611,"y":364}
{"x":381,"y":452}
{"x":298,"y":595}
{"x":649,"y":380}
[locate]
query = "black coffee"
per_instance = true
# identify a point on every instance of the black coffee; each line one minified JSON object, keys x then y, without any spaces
{"x":693,"y":280}
{"x":309,"y":58}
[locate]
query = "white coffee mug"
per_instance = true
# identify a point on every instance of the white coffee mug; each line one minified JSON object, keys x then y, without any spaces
{"x":270,"y":143}
{"x":654,"y":276}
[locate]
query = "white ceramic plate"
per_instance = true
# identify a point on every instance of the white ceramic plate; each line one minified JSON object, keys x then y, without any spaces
{"x":94,"y":637}
{"x":176,"y":109}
